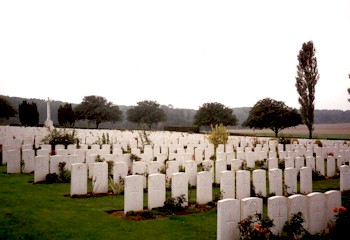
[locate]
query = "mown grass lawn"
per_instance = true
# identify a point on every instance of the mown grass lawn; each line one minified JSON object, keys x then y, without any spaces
{"x":45,"y":211}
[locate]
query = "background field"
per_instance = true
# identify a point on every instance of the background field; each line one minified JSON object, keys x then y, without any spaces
{"x":327,"y":131}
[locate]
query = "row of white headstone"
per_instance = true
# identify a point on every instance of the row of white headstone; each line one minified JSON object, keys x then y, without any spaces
{"x":316,"y":208}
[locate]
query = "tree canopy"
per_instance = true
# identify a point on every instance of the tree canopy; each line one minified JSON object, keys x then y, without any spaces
{"x":146,"y":112}
{"x":211,"y":114}
{"x":306,"y":79}
{"x":66,"y":115}
{"x":97,"y":109}
{"x":6,"y":109}
{"x":28,"y":114}
{"x":272,"y":114}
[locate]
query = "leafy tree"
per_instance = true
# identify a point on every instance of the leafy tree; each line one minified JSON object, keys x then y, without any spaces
{"x":28,"y":114}
{"x":215,"y":114}
{"x":272,"y":114}
{"x":306,"y":79}
{"x":146,"y":112}
{"x":218,"y":135}
{"x":6,"y":109}
{"x":97,"y":109}
{"x":66,"y":115}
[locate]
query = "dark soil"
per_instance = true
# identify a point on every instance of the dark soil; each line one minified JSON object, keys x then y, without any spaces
{"x":146,"y":214}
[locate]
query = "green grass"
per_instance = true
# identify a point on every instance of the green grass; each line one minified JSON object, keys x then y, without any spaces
{"x":45,"y":211}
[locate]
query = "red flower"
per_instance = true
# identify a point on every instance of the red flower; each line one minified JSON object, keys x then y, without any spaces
{"x":257,"y":226}
{"x":342,"y":209}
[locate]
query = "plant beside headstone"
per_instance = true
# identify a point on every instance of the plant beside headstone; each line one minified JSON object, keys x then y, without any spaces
{"x":61,"y":136}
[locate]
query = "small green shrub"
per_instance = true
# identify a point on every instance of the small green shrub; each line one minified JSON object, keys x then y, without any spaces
{"x":61,"y":136}
{"x":256,"y":227}
{"x":294,"y":227}
{"x":175,"y":204}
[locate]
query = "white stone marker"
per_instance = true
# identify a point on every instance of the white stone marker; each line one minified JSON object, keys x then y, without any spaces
{"x":227,"y":184}
{"x":291,"y":180}
{"x":204,"y":188}
{"x":297,"y":203}
{"x":100,"y":178}
{"x":133,"y":193}
{"x":331,"y":166}
{"x":156,"y":190}
{"x":14,"y":161}
{"x":251,"y":206}
{"x":333,"y":200}
{"x":275,"y":182}
{"x":320,"y":165}
{"x":316,"y":212}
{"x":120,"y":171}
{"x":344,"y":177}
{"x":259,"y":181}
{"x":41,"y":168}
{"x":305,"y":180}
{"x":243,"y":184}
{"x":228,"y":217}
{"x":191,"y":171}
{"x":272,"y":162}
{"x":55,"y":160}
{"x":277,"y":210}
{"x":179,"y":186}
{"x":28,"y":159}
{"x":79,"y":178}
{"x":220,"y":165}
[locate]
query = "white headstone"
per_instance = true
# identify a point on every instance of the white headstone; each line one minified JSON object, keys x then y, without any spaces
{"x":228,"y":217}
{"x":133,"y":193}
{"x":227,"y":184}
{"x":78,"y":179}
{"x":156,"y":190}
{"x":204,"y":188}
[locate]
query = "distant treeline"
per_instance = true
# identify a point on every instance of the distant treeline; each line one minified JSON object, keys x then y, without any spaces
{"x":175,"y":116}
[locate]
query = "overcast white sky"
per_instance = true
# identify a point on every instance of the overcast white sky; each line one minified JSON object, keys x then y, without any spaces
{"x":181,"y":52}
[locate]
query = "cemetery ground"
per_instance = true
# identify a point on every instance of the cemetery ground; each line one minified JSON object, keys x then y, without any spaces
{"x":46,"y":211}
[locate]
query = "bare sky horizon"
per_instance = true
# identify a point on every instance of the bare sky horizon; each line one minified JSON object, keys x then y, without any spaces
{"x":183,"y":53}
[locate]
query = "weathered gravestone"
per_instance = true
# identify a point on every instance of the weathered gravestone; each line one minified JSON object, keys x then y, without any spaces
{"x":156,"y":190}
{"x":133,"y":193}
{"x":100,"y":178}
{"x":227,"y":184}
{"x":277,"y":210}
{"x":204,"y":188}
{"x":228,"y":217}
{"x":78,"y":179}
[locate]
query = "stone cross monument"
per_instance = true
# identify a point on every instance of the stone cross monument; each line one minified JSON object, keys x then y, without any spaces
{"x":48,"y":122}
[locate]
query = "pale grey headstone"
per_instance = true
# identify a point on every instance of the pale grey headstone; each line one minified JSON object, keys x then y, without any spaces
{"x":251,"y":206}
{"x":41,"y":168}
{"x":179,"y":186}
{"x":228,"y":184}
{"x":344,"y":178}
{"x":100,"y":178}
{"x":259,"y":182}
{"x":277,"y":210}
{"x":78,"y":179}
{"x":305,"y":180}
{"x":275,"y":182}
{"x":242,"y":184}
{"x":133,"y":193}
{"x":228,"y":217}
{"x":156,"y":190}
{"x":316,"y":212}
{"x":14,"y":161}
{"x":204,"y":188}
{"x":291,"y":180}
